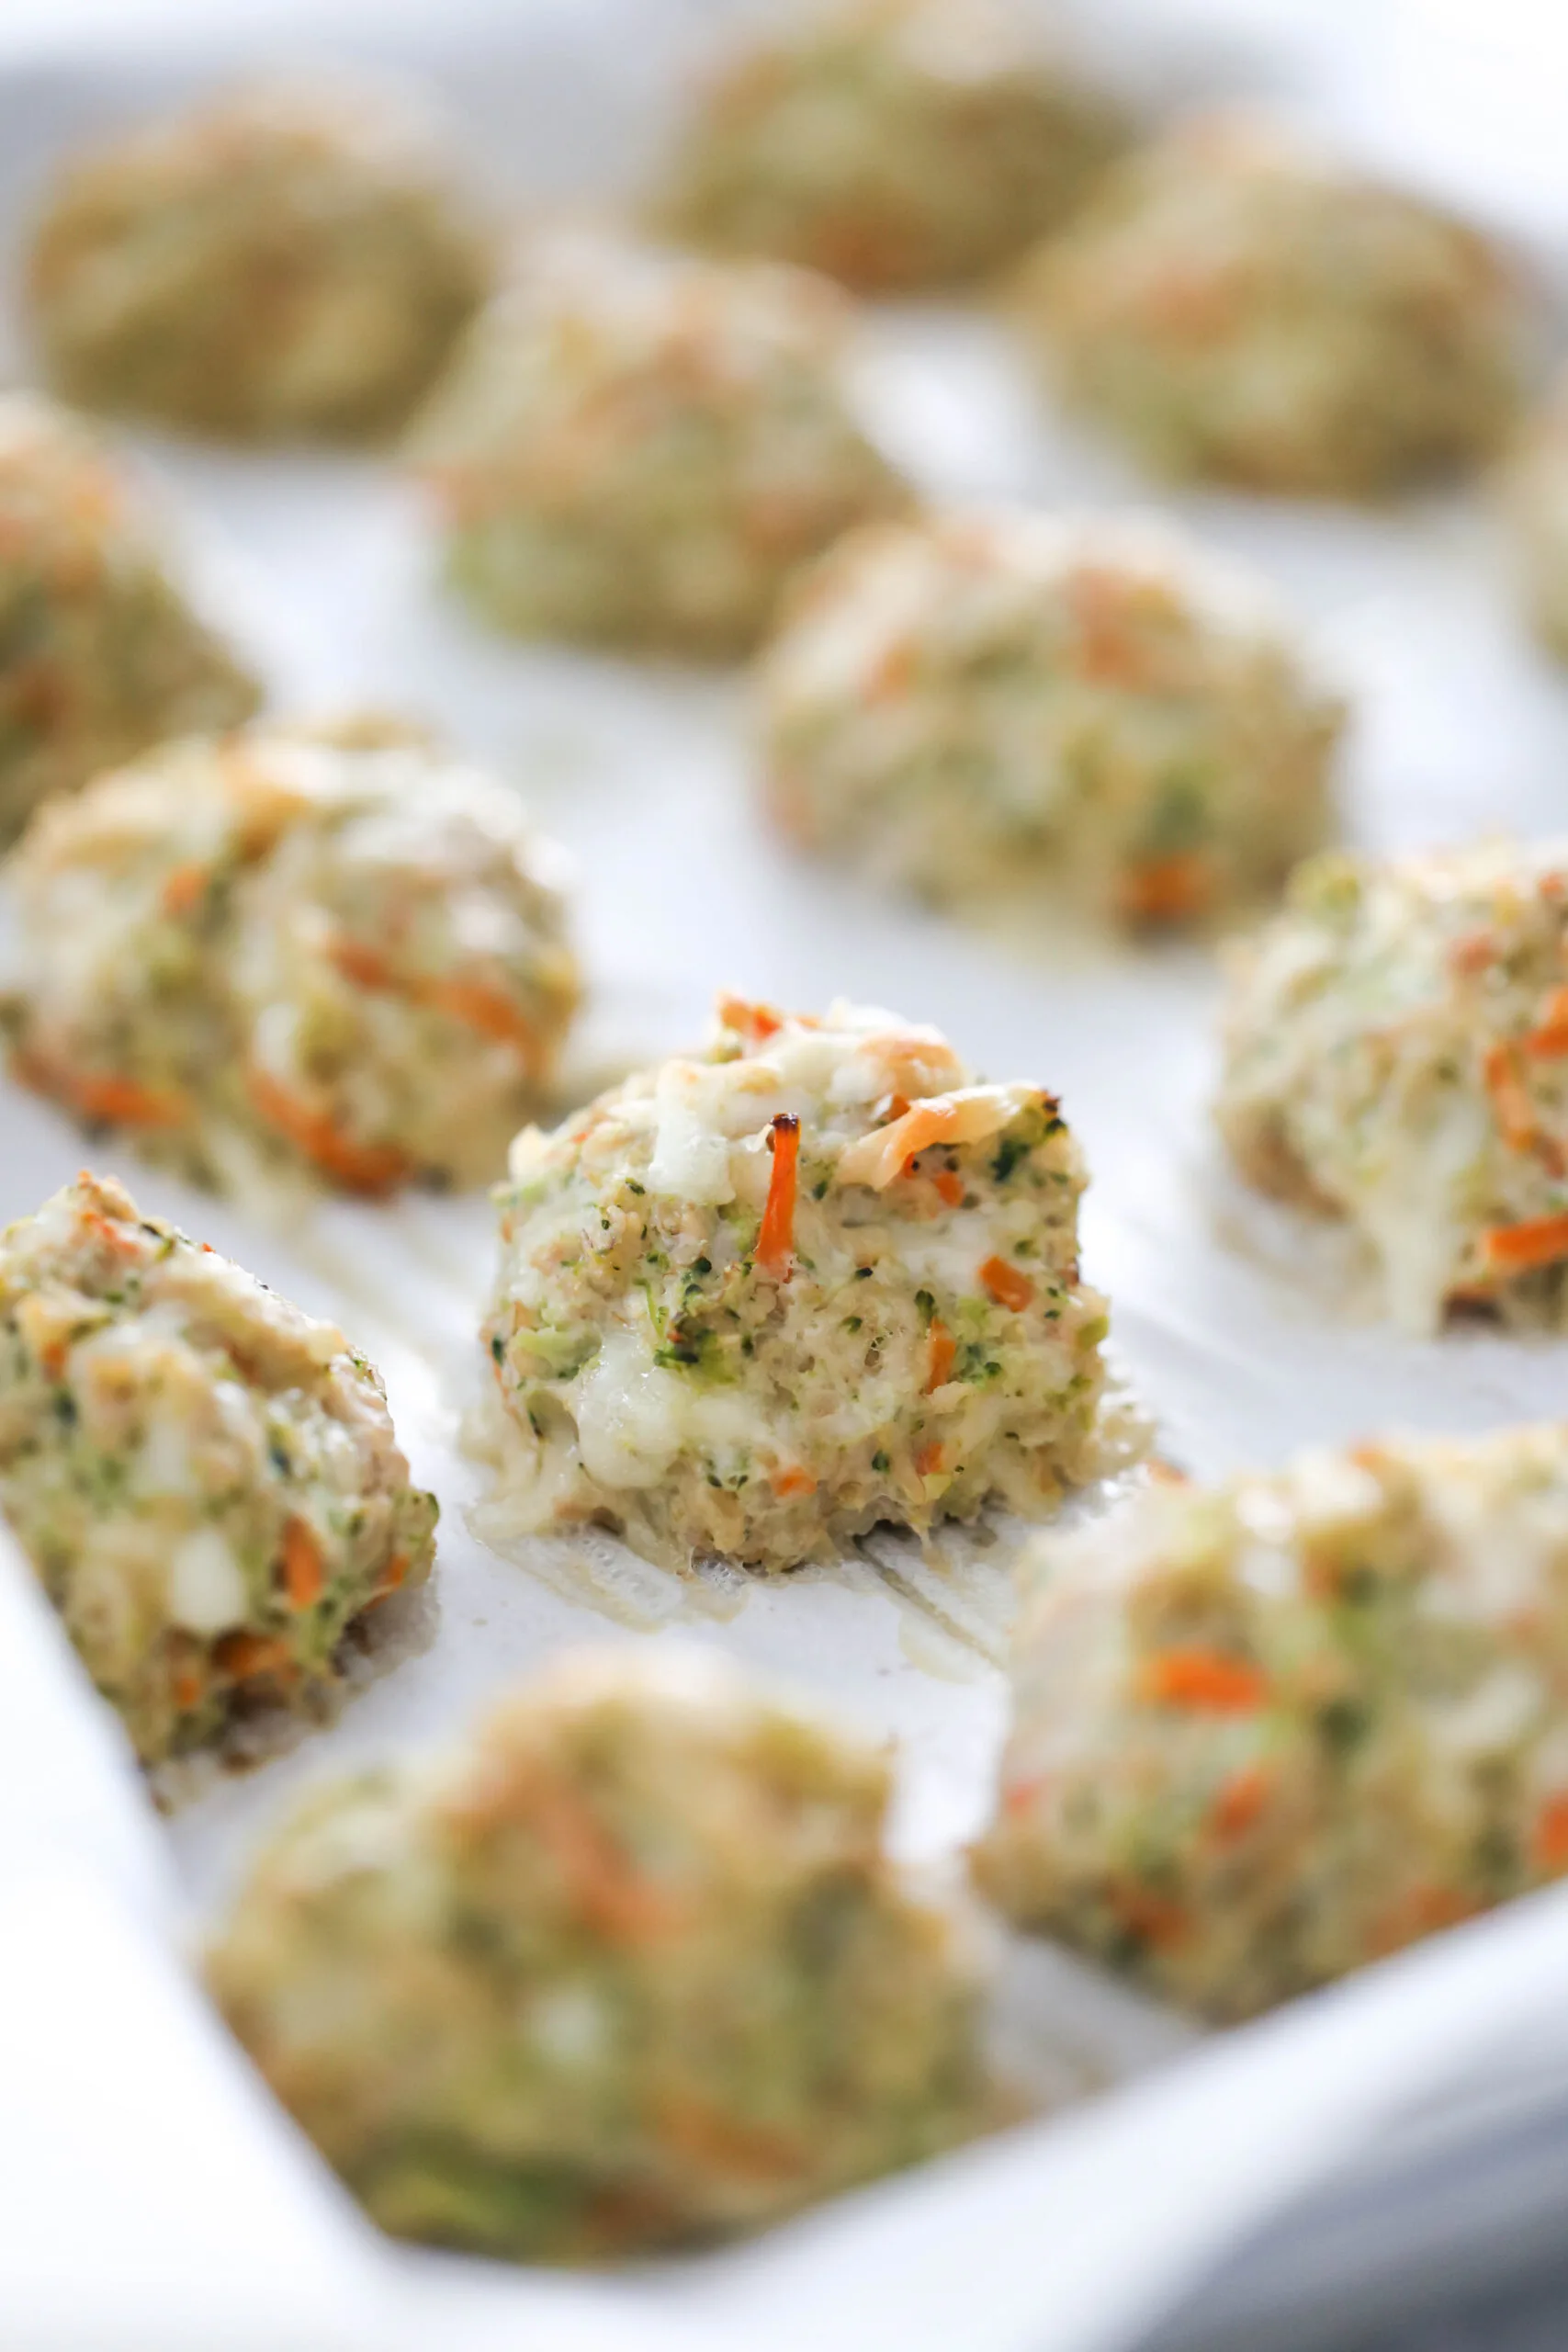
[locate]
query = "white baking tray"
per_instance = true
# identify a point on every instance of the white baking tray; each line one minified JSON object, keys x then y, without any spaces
{"x":150,"y":2195}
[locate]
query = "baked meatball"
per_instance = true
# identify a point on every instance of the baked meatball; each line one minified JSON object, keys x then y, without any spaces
{"x":757,"y":1300}
{"x":340,"y":951}
{"x":894,"y":144}
{"x":285,"y":261}
{"x":627,"y":1968}
{"x":982,"y":704}
{"x":100,"y":655}
{"x":1265,"y":1732}
{"x":1237,"y":304}
{"x":205,"y":1479}
{"x":1395,"y":1055}
{"x":639,"y":449}
{"x":1536,"y":499}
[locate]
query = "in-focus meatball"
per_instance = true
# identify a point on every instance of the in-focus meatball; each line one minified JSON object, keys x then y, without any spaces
{"x":1265,"y":1732}
{"x":640,"y":449}
{"x":1537,"y":496}
{"x":1239,"y":305}
{"x":894,"y":144}
{"x":981,"y":704}
{"x":205,"y":1479}
{"x":754,"y":1302}
{"x":284,"y":261}
{"x":1396,"y":1056}
{"x":630,"y":1967}
{"x":343,"y":950}
{"x":99,"y":653}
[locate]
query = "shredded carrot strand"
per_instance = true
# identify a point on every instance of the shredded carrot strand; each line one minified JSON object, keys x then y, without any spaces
{"x":1020,"y":1796}
{"x":1421,"y":1911}
{"x":607,"y":1889}
{"x":393,"y":1575}
{"x":1166,"y":889}
{"x":928,"y":1459}
{"x":1240,"y":1801}
{"x":949,"y":1185}
{"x":1206,"y":1680}
{"x":1549,"y":1846}
{"x":185,"y":890}
{"x":304,"y":1569}
{"x":473,"y":1003}
{"x":1548,"y":1040}
{"x":754,"y":1021}
{"x":776,"y":1241}
{"x":1476,"y":952}
{"x":943,"y":1348}
{"x":1006,"y":1285}
{"x":1511,"y":1104}
{"x":723,"y":2144}
{"x":118,"y":1101}
{"x":370,"y":1169}
{"x":366,"y":967}
{"x":791,"y":1481}
{"x":244,"y":1656}
{"x":1152,"y":1917}
{"x":489,"y":1010}
{"x":1519,"y":1249}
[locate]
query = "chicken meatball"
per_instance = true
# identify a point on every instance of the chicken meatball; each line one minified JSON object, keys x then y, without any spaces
{"x":1267,"y":1731}
{"x":639,"y":451}
{"x":1236,"y":304}
{"x":340,"y":951}
{"x":100,"y":655}
{"x":205,"y":1479}
{"x":629,"y":1967}
{"x":1396,"y":1050}
{"x":894,"y":144}
{"x":989,"y":704}
{"x":286,"y":261}
{"x":755,"y":1301}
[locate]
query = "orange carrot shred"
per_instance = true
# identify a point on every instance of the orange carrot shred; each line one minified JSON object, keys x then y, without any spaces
{"x":943,"y":1348}
{"x":754,"y":1021}
{"x":1152,"y":1917}
{"x":1205,"y":1679}
{"x":1240,"y":1801}
{"x":1165,"y":889}
{"x":93,"y":1096}
{"x":1006,"y":1285}
{"x":370,"y":1169}
{"x":487,"y":1009}
{"x":1549,"y":1846}
{"x":725,"y":2145}
{"x":1519,"y":1249}
{"x":393,"y":1574}
{"x":245,"y":1656}
{"x":366,"y":967}
{"x":949,"y":1185}
{"x":791,"y":1481}
{"x":1510,"y":1099}
{"x":1548,"y":1040}
{"x":304,"y":1570}
{"x":928,"y":1458}
{"x":776,"y":1241}
{"x":185,"y":890}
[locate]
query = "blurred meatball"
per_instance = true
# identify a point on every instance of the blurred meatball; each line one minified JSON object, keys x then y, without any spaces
{"x":99,"y":653}
{"x":339,"y":951}
{"x":1237,"y":304}
{"x":641,"y":449}
{"x":895,"y":144}
{"x":283,"y":261}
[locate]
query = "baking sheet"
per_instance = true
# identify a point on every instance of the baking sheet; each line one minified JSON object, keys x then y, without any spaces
{"x":325,"y":571}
